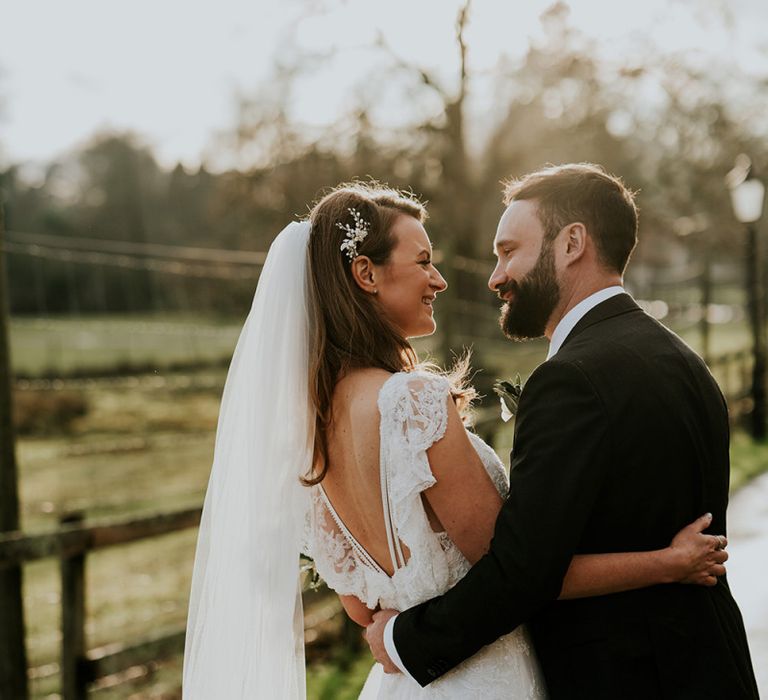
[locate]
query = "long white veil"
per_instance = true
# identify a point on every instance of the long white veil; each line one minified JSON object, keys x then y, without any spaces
{"x":245,"y":627}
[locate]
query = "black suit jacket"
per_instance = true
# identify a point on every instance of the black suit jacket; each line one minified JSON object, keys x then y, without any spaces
{"x":621,"y":440}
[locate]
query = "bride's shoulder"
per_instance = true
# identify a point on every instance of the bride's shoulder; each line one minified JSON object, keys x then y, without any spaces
{"x":359,"y":390}
{"x":415,"y":385}
{"x":368,"y":387}
{"x":363,"y":381}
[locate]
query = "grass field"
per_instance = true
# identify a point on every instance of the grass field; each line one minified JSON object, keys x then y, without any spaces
{"x":60,"y":345}
{"x":56,"y":346}
{"x":145,"y":444}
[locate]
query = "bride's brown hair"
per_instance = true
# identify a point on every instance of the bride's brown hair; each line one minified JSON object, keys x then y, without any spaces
{"x":348,"y":330}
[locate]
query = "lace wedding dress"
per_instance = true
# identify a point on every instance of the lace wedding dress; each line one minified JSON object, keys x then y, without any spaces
{"x":413,"y":408}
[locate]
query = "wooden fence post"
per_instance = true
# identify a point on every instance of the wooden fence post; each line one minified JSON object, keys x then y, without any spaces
{"x":73,"y":680}
{"x":13,"y":656}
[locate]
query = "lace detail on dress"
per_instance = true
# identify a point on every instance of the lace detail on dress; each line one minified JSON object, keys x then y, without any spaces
{"x":413,"y":409}
{"x":414,"y":415}
{"x":345,"y":567}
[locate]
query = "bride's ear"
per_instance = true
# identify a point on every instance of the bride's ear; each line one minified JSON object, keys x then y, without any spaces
{"x":364,"y":274}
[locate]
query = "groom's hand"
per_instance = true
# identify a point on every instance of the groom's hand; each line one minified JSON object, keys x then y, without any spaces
{"x":374,"y":635}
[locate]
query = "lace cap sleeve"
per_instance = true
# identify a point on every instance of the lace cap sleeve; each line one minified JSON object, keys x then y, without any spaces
{"x":414,"y":416}
{"x":413,"y":405}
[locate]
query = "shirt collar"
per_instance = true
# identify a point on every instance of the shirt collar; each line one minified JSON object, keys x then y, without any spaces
{"x":567,"y":322}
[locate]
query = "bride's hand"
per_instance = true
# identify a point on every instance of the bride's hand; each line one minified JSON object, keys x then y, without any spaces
{"x":695,"y":557}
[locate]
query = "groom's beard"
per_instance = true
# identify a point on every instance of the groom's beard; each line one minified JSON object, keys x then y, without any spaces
{"x":534,"y":299}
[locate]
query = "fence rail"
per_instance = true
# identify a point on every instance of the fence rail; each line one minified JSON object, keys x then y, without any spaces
{"x":71,"y":544}
{"x":74,"y":537}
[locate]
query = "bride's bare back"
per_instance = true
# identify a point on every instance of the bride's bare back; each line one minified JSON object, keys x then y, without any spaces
{"x":353,"y":481}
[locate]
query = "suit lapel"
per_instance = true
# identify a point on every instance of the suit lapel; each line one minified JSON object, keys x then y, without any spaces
{"x":610,"y":308}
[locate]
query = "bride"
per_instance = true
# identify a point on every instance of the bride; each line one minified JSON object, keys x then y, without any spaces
{"x":334,"y":441}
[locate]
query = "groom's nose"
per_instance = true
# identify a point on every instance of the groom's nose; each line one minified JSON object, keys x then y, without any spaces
{"x":497,"y":278}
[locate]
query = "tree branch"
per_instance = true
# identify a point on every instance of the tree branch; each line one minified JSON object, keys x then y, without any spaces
{"x":461,"y":25}
{"x":425,"y":77}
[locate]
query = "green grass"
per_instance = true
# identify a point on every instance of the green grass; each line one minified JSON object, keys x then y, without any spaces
{"x":340,"y":678}
{"x":748,"y":459}
{"x":63,"y":345}
{"x":145,"y":445}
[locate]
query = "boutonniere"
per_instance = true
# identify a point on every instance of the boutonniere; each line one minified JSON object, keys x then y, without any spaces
{"x":509,"y":396}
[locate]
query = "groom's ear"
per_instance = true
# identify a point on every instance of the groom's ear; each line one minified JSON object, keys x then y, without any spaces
{"x":364,"y":274}
{"x":576,"y":241}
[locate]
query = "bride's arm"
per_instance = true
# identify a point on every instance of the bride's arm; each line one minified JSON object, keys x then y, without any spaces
{"x":692,"y":557}
{"x":357,"y":610}
{"x":464,"y":499}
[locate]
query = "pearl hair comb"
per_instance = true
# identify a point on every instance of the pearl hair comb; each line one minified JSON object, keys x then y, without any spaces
{"x":355,"y":234}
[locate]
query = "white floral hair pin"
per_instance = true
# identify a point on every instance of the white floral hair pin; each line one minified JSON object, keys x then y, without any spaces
{"x":355,"y":234}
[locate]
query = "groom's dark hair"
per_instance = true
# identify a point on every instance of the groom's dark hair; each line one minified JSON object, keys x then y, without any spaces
{"x":586,"y":193}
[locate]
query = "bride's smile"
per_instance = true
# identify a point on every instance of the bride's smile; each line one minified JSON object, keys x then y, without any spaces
{"x":407,"y":284}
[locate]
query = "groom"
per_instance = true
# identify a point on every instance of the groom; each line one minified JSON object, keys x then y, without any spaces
{"x":621,"y":439}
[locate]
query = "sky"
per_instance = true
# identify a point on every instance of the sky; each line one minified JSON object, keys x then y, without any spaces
{"x":172,"y":70}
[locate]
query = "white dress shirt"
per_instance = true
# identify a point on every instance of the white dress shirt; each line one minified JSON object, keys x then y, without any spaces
{"x":561,"y":332}
{"x":569,"y":321}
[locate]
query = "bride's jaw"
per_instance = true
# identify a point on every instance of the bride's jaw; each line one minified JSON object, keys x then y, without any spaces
{"x":429,"y":326}
{"x":424,"y":324}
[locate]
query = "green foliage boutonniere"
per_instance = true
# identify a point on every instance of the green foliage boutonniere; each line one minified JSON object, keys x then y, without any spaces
{"x":509,"y":396}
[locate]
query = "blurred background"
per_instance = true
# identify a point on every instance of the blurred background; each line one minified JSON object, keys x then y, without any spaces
{"x":150,"y":152}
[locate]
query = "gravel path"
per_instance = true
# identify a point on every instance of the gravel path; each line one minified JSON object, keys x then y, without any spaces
{"x":748,"y":568}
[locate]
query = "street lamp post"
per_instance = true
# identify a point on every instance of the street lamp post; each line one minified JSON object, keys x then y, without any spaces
{"x":747,"y":195}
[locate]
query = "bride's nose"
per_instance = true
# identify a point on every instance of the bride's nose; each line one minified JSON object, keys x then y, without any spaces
{"x":438,"y":281}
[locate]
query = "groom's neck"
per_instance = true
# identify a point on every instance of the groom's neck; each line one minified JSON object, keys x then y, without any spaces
{"x":572,"y":295}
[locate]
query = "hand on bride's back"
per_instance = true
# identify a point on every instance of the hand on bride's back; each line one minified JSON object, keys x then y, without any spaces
{"x":695,"y":557}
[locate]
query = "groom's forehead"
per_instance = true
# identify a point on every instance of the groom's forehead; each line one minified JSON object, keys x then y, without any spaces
{"x":519,"y":223}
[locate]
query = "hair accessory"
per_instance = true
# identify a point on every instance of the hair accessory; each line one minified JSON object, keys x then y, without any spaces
{"x":355,"y":234}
